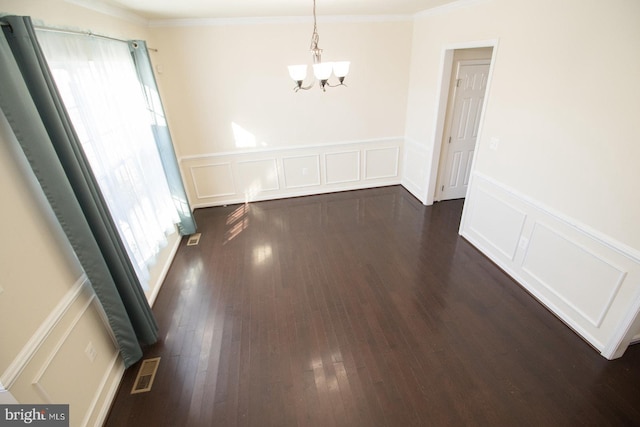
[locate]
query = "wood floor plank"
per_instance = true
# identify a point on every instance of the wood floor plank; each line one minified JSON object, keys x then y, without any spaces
{"x":362,"y":308}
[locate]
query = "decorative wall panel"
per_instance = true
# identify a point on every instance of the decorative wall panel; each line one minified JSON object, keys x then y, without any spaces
{"x":342,"y":167}
{"x":303,"y":171}
{"x":581,"y":279}
{"x":246,"y":176}
{"x":213,"y":180}
{"x":74,"y":344}
{"x":588,"y":280}
{"x":381,"y":163}
{"x":498,"y":222}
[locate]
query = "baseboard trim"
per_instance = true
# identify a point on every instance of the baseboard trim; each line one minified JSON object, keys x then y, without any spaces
{"x":620,"y":340}
{"x":288,"y":195}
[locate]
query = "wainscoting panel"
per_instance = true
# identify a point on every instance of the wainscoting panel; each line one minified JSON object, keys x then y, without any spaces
{"x":215,"y":180}
{"x":256,"y":176}
{"x":581,"y":279}
{"x":75,"y":360}
{"x":342,"y":168}
{"x":246,"y":176}
{"x":381,"y":163}
{"x":498,"y":222}
{"x":13,"y":371}
{"x":54,"y":370}
{"x":416,"y":168}
{"x":585,"y":278}
{"x":301,"y":171}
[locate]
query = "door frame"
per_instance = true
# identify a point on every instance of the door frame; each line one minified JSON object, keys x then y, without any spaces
{"x":446,"y":74}
{"x":451,"y":107}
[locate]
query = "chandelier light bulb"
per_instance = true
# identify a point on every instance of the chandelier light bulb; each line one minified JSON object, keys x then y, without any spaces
{"x":341,"y":69}
{"x":298,"y":72}
{"x":323,"y":70}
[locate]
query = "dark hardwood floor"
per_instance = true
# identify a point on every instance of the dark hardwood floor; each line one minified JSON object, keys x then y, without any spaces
{"x":362,"y":308}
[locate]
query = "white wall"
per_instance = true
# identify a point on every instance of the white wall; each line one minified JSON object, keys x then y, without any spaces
{"x":217,"y":78}
{"x":565,"y":118}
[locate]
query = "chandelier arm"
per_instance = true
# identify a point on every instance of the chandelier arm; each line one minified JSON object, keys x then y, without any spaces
{"x":339,"y":84}
{"x":299,"y":84}
{"x":309,"y":86}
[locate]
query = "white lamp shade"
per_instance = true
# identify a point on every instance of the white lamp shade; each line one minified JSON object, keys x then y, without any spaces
{"x":322,"y":71}
{"x":298,"y":72}
{"x":341,"y":69}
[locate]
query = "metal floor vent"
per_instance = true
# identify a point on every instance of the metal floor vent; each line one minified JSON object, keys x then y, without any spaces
{"x":194,"y":239}
{"x":146,"y":375}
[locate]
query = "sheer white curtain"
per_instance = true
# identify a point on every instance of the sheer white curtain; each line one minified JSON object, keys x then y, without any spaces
{"x":98,"y":83}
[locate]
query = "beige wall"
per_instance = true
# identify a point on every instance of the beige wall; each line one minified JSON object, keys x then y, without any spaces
{"x":49,"y":313}
{"x":34,"y":236}
{"x":64,"y":14}
{"x":562,"y":102}
{"x":556,"y":204}
{"x":214,"y":76}
{"x":105,"y":21}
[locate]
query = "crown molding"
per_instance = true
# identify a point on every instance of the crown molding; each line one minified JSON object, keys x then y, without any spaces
{"x":215,"y":22}
{"x":445,"y":8}
{"x":106,"y":9}
{"x":120,"y":13}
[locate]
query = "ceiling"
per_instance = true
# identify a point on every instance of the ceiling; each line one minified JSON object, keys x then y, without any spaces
{"x":211,"y":9}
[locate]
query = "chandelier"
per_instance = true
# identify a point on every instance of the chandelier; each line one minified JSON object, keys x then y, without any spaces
{"x":321,"y":70}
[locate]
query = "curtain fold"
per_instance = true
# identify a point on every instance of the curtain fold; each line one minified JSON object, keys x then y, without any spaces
{"x":140,"y":55}
{"x":98,"y":83}
{"x":32,"y":105}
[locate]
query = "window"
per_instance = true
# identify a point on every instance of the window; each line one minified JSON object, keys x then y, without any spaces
{"x":98,"y":82}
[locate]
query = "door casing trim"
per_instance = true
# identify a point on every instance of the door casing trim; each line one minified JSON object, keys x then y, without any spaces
{"x":446,"y":63}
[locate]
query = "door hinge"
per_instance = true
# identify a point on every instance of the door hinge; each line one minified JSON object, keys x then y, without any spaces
{"x":458,"y":82}
{"x":442,"y":189}
{"x":449,"y":140}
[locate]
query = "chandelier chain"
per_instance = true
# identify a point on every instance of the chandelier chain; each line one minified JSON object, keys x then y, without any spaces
{"x":315,"y":38}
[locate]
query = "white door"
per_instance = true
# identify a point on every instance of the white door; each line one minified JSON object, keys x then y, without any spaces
{"x":460,"y":138}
